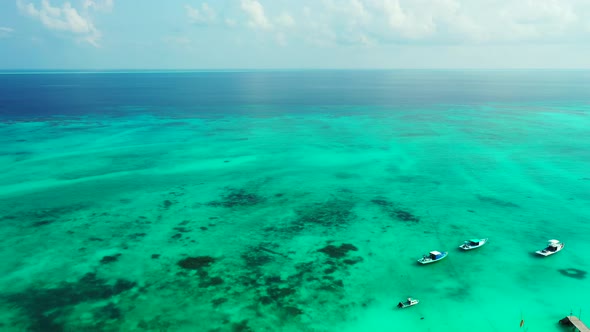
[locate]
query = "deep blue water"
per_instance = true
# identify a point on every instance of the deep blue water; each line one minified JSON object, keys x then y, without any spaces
{"x":193,"y":93}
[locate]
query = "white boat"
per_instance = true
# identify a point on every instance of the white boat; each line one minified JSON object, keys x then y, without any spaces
{"x":433,"y":256}
{"x":408,"y":303}
{"x":473,"y":244}
{"x":552,"y":247}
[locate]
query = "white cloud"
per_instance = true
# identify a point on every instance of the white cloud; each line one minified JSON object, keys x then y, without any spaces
{"x":444,"y":21}
{"x":407,"y":22}
{"x":52,"y":11}
{"x":99,"y":5}
{"x":396,"y":19}
{"x":5,"y":32}
{"x":256,"y":16}
{"x":202,"y":15}
{"x":230,"y":23}
{"x":426,"y":22}
{"x":541,"y":19}
{"x":67,"y":18}
{"x":349,"y":12}
{"x":285,"y":20}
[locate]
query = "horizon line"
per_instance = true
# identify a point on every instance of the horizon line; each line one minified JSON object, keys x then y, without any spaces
{"x":196,"y":70}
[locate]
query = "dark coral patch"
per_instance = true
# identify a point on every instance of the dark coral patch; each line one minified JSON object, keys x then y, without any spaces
{"x":47,"y":307}
{"x":281,"y":293}
{"x":255,"y":257}
{"x":241,"y":326}
{"x":238,"y":197}
{"x":217,"y":302}
{"x":155,"y":324}
{"x":167,"y":204}
{"x":381,"y":202}
{"x":496,"y":201}
{"x":394,"y":211}
{"x":573,"y":273}
{"x":335,"y":213}
{"x":265,"y":300}
{"x":208,"y":282}
{"x":195,"y":263}
{"x":338,"y":252}
{"x":43,"y":223}
{"x":182,"y":229}
{"x":45,"y":216}
{"x":110,"y":311}
{"x":110,"y":259}
{"x":136,"y":236}
{"x":272,"y":280}
{"x":293,"y":311}
{"x":278,"y":294}
{"x":405,"y":216}
{"x":353,"y":261}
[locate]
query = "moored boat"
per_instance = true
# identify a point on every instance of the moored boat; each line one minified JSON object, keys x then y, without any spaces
{"x":473,"y":244}
{"x":408,"y":303}
{"x":433,"y":256}
{"x":552,"y":247}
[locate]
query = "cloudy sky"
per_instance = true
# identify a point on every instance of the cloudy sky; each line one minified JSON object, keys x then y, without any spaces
{"x":215,"y":34}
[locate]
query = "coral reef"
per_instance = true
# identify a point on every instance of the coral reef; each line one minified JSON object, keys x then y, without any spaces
{"x":48,"y":308}
{"x":326,"y":216}
{"x":395,"y":211}
{"x":195,"y":263}
{"x":496,"y":201}
{"x":110,"y":259}
{"x":338,"y":252}
{"x":237,"y":198}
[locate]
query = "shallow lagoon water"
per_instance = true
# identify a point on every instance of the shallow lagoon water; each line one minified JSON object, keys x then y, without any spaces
{"x":297,"y":202}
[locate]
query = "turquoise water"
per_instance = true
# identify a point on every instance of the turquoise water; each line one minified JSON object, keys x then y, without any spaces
{"x":290,"y":214}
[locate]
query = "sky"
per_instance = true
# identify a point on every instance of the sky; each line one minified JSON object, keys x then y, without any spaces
{"x":294,"y":34}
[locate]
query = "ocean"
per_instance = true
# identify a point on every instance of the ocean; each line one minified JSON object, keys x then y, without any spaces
{"x":293,"y":200}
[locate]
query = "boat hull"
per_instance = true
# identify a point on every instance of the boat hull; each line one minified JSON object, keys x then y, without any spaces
{"x":429,"y":260}
{"x":546,"y":252}
{"x":470,"y":247}
{"x":407,"y":305}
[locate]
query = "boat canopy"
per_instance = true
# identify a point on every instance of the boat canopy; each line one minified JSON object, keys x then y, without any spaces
{"x":553,"y":241}
{"x":434,"y":255}
{"x":475,"y":240}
